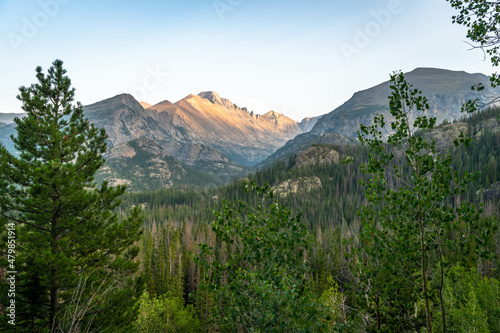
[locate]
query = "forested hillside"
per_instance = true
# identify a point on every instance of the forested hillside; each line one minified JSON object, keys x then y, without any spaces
{"x":396,"y":233}
{"x":328,"y":194}
{"x":339,"y":181}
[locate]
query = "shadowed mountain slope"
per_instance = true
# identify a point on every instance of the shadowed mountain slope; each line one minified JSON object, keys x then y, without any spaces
{"x":445,"y":90}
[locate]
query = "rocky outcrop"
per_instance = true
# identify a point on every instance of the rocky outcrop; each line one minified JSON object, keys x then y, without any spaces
{"x":491,"y":193}
{"x":303,"y":142}
{"x":123,"y":118}
{"x":295,"y":186}
{"x":444,"y":135}
{"x":317,"y":154}
{"x":145,"y":164}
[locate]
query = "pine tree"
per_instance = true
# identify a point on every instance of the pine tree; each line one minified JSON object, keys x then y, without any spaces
{"x":74,"y":257}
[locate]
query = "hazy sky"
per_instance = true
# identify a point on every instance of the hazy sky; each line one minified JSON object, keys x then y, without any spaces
{"x":301,"y":58}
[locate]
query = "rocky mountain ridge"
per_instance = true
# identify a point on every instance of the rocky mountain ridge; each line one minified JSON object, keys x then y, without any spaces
{"x":204,"y":119}
{"x":201,"y":137}
{"x":208,"y":136}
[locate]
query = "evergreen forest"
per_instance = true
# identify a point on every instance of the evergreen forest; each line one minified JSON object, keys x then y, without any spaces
{"x":397,"y":232}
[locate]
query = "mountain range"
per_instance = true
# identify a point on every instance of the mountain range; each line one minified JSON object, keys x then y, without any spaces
{"x":205,"y":139}
{"x":204,"y":119}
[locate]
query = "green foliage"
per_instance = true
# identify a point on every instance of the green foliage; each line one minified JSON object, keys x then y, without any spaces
{"x":165,"y":261}
{"x":176,"y":218}
{"x":408,"y":224}
{"x":473,"y":302}
{"x":470,"y":317}
{"x":260,"y":284}
{"x":482,"y":19}
{"x":165,"y":314}
{"x":335,"y":302}
{"x":70,"y":243}
{"x":340,"y":195}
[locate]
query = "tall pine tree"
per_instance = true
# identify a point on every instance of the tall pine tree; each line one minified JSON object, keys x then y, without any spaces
{"x":75,"y":259}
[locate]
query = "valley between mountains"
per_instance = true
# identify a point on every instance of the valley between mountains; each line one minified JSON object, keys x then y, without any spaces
{"x":207,"y":140}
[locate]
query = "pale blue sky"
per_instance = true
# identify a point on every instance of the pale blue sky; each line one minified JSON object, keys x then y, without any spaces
{"x":301,"y":58}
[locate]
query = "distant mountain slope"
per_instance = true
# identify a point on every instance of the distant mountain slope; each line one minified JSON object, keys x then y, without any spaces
{"x":307,"y":124}
{"x":123,"y":118}
{"x":145,"y":164}
{"x":445,"y":90}
{"x":145,"y":105}
{"x":302,"y":142}
{"x":6,"y":130}
{"x":8,"y":118}
{"x":199,"y":135}
{"x":213,"y":136}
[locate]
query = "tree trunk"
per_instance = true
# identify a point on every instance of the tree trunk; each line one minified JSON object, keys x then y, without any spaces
{"x":379,"y":324}
{"x":54,"y":288}
{"x":424,"y":276}
{"x":441,"y":287}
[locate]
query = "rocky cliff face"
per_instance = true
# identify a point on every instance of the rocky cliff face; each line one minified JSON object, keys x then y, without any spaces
{"x":145,"y":164}
{"x":200,"y":136}
{"x":320,"y":154}
{"x":205,"y":119}
{"x":209,"y":120}
{"x":303,"y":141}
{"x":145,"y":105}
{"x":141,"y":164}
{"x":205,"y":134}
{"x":123,"y":118}
{"x":301,"y":186}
